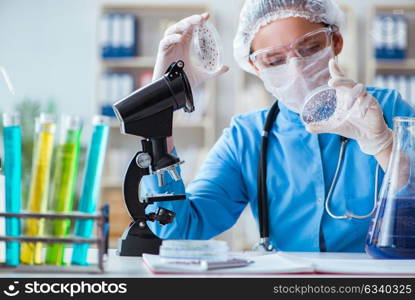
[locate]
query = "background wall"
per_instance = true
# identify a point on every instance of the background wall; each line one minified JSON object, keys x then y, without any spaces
{"x":48,"y":48}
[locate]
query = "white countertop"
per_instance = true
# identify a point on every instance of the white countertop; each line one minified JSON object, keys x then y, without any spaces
{"x":133,"y":267}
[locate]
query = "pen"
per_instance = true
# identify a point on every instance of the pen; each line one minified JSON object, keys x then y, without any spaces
{"x":206,"y":265}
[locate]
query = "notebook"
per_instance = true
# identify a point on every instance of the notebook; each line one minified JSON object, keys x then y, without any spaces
{"x":286,"y":263}
{"x":254,"y":265}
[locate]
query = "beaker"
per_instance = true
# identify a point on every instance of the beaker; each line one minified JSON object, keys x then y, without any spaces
{"x":392,"y":231}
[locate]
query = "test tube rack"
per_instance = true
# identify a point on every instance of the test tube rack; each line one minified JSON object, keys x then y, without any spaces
{"x":101,"y":240}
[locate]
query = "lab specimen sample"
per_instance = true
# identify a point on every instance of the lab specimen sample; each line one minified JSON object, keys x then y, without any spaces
{"x":63,"y":183}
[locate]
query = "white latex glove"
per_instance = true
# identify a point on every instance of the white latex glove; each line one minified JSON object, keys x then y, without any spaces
{"x":175,"y":46}
{"x":365,"y":122}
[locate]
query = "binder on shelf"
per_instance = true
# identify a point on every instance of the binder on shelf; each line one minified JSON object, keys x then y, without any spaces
{"x":391,"y":34}
{"x":114,"y":86}
{"x":129,"y":41}
{"x":118,"y":35}
{"x":404,"y":84}
{"x":412,"y":91}
{"x":116,"y":39}
{"x":402,"y":36}
{"x":403,"y":87}
{"x":377,"y":36}
{"x":105,"y":95}
{"x":106,"y":33}
{"x":379,"y":81}
{"x":390,"y":37}
{"x":390,"y":82}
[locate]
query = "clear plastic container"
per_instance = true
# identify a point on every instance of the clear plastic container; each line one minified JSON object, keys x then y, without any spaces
{"x":206,"y":50}
{"x":194,"y":249}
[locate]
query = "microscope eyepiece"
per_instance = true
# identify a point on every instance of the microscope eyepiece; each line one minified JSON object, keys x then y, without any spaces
{"x":148,"y":112}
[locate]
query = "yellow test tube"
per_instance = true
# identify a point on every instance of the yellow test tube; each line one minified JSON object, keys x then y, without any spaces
{"x":31,"y":253}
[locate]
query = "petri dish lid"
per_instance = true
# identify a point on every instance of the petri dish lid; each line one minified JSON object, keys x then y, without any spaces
{"x":320,"y":106}
{"x":199,"y":245}
{"x":206,"y":50}
{"x":194,"y":249}
{"x":194,"y":254}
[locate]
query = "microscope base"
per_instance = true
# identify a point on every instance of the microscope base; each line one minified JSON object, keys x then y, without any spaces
{"x":135,"y":242}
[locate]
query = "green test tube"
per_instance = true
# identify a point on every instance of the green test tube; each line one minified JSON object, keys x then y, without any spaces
{"x":31,"y":253}
{"x":63,"y":184}
{"x":12,"y":141}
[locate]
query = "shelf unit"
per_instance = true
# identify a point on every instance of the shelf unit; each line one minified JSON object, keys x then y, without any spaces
{"x":197,"y":135}
{"x":405,"y":67}
{"x":349,"y":55}
{"x":144,"y":62}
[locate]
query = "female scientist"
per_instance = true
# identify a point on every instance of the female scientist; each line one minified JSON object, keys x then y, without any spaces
{"x":317,"y":185}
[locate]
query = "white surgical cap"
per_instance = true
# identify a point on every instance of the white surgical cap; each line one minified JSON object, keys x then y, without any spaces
{"x":258,"y":13}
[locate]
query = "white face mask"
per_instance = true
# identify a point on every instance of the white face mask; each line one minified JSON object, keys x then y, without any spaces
{"x":293,"y":81}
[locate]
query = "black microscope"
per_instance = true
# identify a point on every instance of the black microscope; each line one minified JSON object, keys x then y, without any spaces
{"x":148,"y":113}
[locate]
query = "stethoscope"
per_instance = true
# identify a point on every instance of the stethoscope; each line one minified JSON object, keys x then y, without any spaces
{"x":264,"y":243}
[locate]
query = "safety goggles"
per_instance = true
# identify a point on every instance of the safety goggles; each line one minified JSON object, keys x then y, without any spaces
{"x":304,"y":46}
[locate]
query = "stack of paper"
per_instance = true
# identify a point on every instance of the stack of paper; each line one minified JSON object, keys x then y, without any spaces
{"x":266,"y":264}
{"x":288,"y":263}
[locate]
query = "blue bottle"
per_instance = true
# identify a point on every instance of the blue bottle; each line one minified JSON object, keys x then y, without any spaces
{"x":12,"y":140}
{"x":91,"y":187}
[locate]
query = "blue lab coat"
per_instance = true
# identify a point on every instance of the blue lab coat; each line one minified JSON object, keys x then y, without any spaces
{"x":300,"y":166}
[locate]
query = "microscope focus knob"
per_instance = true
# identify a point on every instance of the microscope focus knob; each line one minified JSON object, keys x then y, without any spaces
{"x":143,"y":160}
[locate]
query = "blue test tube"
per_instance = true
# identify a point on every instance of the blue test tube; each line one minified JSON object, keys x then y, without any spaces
{"x":12,"y":141}
{"x":91,"y":187}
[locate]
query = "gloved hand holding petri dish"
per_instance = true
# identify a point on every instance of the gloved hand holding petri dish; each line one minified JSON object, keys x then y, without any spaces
{"x":196,"y":42}
{"x":350,"y":111}
{"x":328,"y":107}
{"x":206,"y":52}
{"x":322,"y":108}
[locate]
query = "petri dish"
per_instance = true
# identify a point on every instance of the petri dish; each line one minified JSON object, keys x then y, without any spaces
{"x":206,"y":50}
{"x":321,"y":108}
{"x":194,"y":249}
{"x":195,"y":244}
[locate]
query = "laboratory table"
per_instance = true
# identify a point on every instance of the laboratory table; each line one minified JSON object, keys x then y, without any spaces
{"x":133,"y":267}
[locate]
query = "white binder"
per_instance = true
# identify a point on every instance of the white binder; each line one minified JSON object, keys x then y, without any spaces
{"x":105,"y":35}
{"x":128,"y":34}
{"x":116,"y":37}
{"x":412,"y":89}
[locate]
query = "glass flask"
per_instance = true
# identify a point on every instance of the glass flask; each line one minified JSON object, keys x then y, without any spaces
{"x":392,"y":231}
